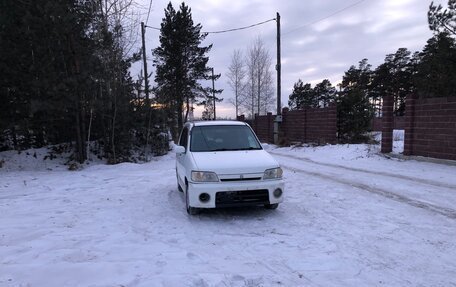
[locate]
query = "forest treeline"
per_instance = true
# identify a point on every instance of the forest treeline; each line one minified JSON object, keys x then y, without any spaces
{"x":65,"y":77}
{"x":427,"y":73}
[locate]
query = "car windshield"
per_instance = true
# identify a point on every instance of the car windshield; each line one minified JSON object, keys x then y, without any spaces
{"x":223,"y":138}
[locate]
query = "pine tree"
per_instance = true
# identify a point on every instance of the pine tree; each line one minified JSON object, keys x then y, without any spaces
{"x":46,"y":40}
{"x":209,"y":99}
{"x":443,"y":20}
{"x":302,"y":96}
{"x":436,"y":70}
{"x":180,"y":63}
{"x":65,"y":75}
{"x":325,"y":93}
{"x":354,"y":107}
{"x":394,"y":77}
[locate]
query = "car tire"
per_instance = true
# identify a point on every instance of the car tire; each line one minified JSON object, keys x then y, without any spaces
{"x":271,"y":206}
{"x":178,"y":185}
{"x":190,"y":210}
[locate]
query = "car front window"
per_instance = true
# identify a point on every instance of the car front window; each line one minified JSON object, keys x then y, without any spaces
{"x":183,"y":138}
{"x":223,"y":138}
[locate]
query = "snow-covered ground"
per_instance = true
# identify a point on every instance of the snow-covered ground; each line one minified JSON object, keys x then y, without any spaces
{"x":350,"y":218}
{"x":398,"y":140}
{"x":55,"y":158}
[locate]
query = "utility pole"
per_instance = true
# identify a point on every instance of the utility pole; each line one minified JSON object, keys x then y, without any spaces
{"x":253,"y":89}
{"x":278,"y":118}
{"x":146,"y":86}
{"x":146,"y":75}
{"x":236,"y":87}
{"x":278,"y":67}
{"x":213,"y":91}
{"x":259,"y":84}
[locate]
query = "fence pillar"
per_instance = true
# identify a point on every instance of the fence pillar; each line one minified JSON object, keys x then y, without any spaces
{"x":255,"y":123}
{"x":283,"y":131}
{"x":304,"y":126}
{"x":410,"y":103}
{"x":387,"y":121}
{"x":333,"y":122}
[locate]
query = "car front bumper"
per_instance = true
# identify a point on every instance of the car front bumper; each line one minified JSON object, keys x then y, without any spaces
{"x":235,"y":193}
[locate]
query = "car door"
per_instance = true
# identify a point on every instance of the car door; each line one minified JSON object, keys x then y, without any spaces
{"x":180,"y":158}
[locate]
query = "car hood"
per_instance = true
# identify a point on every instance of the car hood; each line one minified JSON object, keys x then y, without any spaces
{"x":234,"y":162}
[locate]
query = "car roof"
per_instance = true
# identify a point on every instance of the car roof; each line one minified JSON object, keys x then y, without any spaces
{"x":218,"y":123}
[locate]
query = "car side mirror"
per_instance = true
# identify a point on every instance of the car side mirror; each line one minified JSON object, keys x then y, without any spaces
{"x":179,"y":149}
{"x":265,"y":145}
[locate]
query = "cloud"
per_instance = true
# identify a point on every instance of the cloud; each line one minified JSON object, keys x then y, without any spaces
{"x":325,"y":50}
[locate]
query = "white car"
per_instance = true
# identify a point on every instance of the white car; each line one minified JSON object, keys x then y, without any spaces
{"x":222,"y":164}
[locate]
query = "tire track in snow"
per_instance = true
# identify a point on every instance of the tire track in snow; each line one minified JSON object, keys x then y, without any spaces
{"x":404,"y":177}
{"x":448,"y":212}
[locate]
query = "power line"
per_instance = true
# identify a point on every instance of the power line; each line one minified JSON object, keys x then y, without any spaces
{"x":229,"y":30}
{"x":324,"y":18}
{"x":148,"y":13}
{"x":241,"y":28}
{"x":155,"y":28}
{"x":273,"y":19}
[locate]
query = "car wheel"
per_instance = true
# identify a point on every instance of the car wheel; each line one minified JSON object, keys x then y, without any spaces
{"x":190,"y":210}
{"x":271,"y":206}
{"x":178,"y":185}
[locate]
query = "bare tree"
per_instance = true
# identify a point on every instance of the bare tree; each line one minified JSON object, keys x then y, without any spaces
{"x":268,"y":99}
{"x":118,"y":21}
{"x":259,"y":93}
{"x":236,"y":75}
{"x":122,"y":19}
{"x":265,"y":84}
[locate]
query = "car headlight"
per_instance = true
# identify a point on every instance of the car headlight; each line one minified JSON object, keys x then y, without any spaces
{"x":273,"y":173}
{"x":204,"y":176}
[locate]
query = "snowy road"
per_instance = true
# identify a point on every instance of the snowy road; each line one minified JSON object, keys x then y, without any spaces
{"x":402,"y":188}
{"x":349,"y":219}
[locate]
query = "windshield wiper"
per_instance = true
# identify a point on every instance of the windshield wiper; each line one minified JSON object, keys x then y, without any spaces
{"x":249,"y":148}
{"x":220,"y":149}
{"x":236,"y":149}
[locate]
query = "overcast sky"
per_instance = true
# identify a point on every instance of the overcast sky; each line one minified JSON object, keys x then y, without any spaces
{"x":310,"y":51}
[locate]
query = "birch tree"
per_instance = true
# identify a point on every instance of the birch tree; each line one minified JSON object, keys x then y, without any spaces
{"x":258,"y":96}
{"x":236,"y":75}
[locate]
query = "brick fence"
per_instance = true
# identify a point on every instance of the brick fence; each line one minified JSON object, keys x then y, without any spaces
{"x":264,"y":127}
{"x":398,"y":123}
{"x":387,"y":121}
{"x":430,"y":127}
{"x":318,"y":125}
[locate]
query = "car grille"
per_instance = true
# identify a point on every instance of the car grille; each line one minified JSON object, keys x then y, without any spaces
{"x":240,"y":179}
{"x":241,"y":198}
